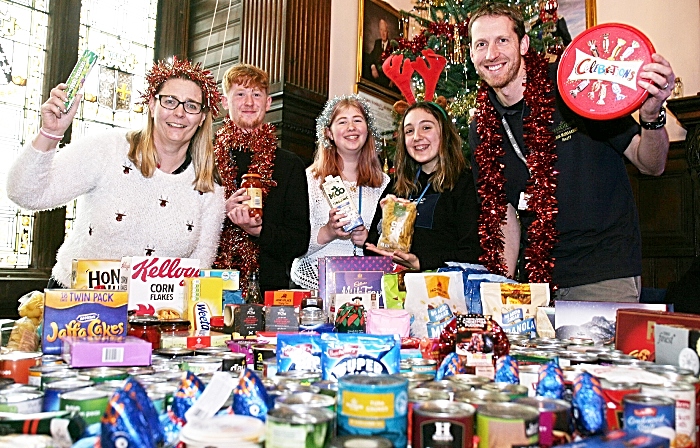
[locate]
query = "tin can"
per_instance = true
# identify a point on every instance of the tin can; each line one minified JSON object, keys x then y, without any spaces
{"x":200,"y":364}
{"x":168,"y":390}
{"x":572,"y":358}
{"x":443,"y":422}
{"x":507,"y":424}
{"x":51,"y":360}
{"x":211,"y":351}
{"x":57,"y":375}
{"x":174,"y":352}
{"x":451,"y":387}
{"x":22,"y":402}
{"x":478,"y":397}
{"x":16,"y":365}
{"x":420,"y":395}
{"x":644,"y":413}
{"x":100,"y":374}
{"x":423,"y":365}
{"x":327,"y":387}
{"x":684,"y":396}
{"x":89,"y":402}
{"x":269,"y":368}
{"x":233,"y":362}
{"x":36,"y":372}
{"x":415,"y":379}
{"x":243,"y":346}
{"x":614,"y":393}
{"x":468,"y":381}
{"x":374,"y":405}
{"x":360,"y":442}
{"x":514,"y":391}
{"x":296,"y":388}
{"x":140,"y":370}
{"x":306,"y":400}
{"x":530,"y":377}
{"x":405,"y":365}
{"x":301,"y":427}
{"x":261,"y":353}
{"x":555,"y":420}
{"x":54,"y":389}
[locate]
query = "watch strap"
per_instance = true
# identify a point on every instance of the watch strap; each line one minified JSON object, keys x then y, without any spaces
{"x":658,"y":124}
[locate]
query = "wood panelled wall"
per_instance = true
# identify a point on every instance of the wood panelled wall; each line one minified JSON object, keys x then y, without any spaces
{"x":289,"y":39}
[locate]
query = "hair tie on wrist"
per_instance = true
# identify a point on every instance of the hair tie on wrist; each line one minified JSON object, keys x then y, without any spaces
{"x":50,"y":136}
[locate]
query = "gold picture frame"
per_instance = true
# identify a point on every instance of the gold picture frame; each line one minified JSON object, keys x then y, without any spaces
{"x":371,"y":79}
{"x":578,"y":14}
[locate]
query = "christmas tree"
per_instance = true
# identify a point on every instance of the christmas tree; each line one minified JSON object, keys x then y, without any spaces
{"x":442,"y":26}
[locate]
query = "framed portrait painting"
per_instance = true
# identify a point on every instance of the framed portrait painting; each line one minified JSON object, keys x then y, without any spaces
{"x":578,"y":15}
{"x":379,"y":23}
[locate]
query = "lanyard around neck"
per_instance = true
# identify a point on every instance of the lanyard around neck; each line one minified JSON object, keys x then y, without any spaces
{"x":415,"y":181}
{"x":514,"y":143}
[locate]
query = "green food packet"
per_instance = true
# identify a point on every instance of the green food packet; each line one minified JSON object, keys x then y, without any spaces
{"x":77,"y":76}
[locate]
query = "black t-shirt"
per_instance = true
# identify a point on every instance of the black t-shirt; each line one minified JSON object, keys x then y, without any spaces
{"x":446,"y":225}
{"x":599,"y":236}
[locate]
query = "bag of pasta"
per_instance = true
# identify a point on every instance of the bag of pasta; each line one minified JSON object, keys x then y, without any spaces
{"x":398,"y":217}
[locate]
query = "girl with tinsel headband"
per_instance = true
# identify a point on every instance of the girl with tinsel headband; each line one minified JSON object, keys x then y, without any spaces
{"x":348,"y":139}
{"x":151,"y":191}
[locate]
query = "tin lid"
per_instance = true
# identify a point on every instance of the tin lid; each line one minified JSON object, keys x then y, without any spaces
{"x":509,"y":411}
{"x":66,"y":385}
{"x":306,"y":399}
{"x":378,"y":381}
{"x":217,"y":321}
{"x":599,"y":70}
{"x":356,"y":441}
{"x":425,"y":394}
{"x":87,"y":393}
{"x":481,"y":396}
{"x":173,"y":352}
{"x":443,"y":408}
{"x":299,"y":415}
{"x":20,"y":397}
{"x":645,"y":399}
{"x":545,"y":404}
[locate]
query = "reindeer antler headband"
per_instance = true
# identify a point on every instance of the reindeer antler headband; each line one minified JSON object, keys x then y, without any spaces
{"x":324,"y":120}
{"x":400,"y":71}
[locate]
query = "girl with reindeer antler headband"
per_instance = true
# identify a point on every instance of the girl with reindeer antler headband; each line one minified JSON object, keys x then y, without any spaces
{"x":431,"y":171}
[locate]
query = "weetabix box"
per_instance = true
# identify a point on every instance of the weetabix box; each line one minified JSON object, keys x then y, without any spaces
{"x":91,"y":314}
{"x":635,"y":330}
{"x":95,"y":274}
{"x":203,"y":301}
{"x":156,"y":285}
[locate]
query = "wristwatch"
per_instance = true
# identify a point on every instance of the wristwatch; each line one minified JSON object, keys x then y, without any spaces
{"x":658,"y":124}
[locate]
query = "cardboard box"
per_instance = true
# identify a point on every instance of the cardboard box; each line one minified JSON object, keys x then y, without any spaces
{"x":592,"y":320}
{"x":130,"y":351}
{"x":281,"y":318}
{"x":621,"y":439}
{"x":286,"y":297}
{"x":678,"y":346}
{"x":636,"y":328}
{"x":246,"y":319}
{"x":87,"y":313}
{"x":351,"y":275}
{"x":95,"y":274}
{"x":192,"y":339}
{"x":232,"y":293}
{"x":204,"y":300}
{"x":156,"y":285}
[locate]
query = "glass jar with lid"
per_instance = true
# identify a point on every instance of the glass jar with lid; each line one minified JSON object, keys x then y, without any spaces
{"x":253,"y":188}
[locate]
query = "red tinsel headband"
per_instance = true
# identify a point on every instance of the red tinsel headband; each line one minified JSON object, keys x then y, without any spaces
{"x":164,"y":70}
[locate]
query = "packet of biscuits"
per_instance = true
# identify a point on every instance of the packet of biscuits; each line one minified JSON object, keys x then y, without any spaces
{"x":398,"y":217}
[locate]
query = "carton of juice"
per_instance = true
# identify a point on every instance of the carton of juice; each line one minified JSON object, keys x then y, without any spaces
{"x":338,"y":196}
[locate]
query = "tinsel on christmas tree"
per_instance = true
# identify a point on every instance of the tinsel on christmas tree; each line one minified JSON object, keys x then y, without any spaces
{"x":443,"y":27}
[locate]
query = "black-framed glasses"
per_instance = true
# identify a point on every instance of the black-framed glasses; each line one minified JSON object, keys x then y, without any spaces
{"x":172,"y":103}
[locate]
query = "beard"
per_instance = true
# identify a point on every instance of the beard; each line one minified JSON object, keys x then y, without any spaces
{"x":501,"y":80}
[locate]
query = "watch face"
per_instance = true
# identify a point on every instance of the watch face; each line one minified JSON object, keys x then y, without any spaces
{"x":599,"y":70}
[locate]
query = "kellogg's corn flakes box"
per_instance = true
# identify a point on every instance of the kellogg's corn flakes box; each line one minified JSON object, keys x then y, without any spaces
{"x":156,"y":285}
{"x":95,"y":274}
{"x":95,"y":314}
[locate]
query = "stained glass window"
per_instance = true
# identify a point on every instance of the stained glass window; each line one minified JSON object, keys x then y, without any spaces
{"x":122,"y":33}
{"x":22,"y":51}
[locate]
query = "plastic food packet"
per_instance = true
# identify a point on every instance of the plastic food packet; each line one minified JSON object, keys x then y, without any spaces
{"x":338,"y":197}
{"x":24,"y":335}
{"x":398,"y":217}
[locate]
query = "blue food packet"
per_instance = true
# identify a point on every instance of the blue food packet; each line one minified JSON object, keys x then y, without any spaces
{"x":189,"y":390}
{"x":550,"y":382}
{"x":250,"y":397}
{"x":359,"y":354}
{"x":298,"y":352}
{"x":130,"y":419}
{"x":507,"y":370}
{"x":588,"y":405}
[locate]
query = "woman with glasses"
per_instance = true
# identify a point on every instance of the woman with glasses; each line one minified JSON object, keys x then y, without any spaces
{"x":148,"y":192}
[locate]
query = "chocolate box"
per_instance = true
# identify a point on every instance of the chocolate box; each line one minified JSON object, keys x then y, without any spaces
{"x":678,"y":346}
{"x":130,"y":351}
{"x":351,"y":275}
{"x":621,"y":439}
{"x":281,"y":318}
{"x":156,"y":285}
{"x":94,"y":314}
{"x":95,"y":274}
{"x":636,"y":328}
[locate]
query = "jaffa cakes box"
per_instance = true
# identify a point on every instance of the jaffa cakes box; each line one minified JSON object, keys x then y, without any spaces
{"x":156,"y":285}
{"x":95,"y":274}
{"x":96,"y":314}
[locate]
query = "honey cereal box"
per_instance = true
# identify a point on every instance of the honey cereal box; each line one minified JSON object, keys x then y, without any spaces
{"x":156,"y":285}
{"x":95,"y":274}
{"x":95,"y":314}
{"x":204,"y":300}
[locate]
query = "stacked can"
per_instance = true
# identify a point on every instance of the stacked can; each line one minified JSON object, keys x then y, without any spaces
{"x":507,"y":424}
{"x":556,"y":420}
{"x":684,"y":396}
{"x":443,"y":423}
{"x":373,"y":406}
{"x":614,"y":393}
{"x":649,"y":414}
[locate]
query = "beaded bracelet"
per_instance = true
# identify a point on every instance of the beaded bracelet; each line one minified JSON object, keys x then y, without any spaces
{"x":50,"y":136}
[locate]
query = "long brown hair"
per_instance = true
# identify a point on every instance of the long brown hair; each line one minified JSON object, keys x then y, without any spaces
{"x":142,"y":150}
{"x":450,"y":162}
{"x":328,"y":162}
